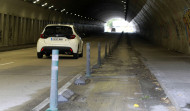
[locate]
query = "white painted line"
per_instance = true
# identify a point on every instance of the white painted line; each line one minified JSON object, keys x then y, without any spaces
{"x":6,"y":63}
{"x":60,"y":91}
{"x":41,"y":105}
{"x":63,"y":88}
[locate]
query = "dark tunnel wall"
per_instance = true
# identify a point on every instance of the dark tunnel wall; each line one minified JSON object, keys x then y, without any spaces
{"x":22,"y":22}
{"x":166,"y":23}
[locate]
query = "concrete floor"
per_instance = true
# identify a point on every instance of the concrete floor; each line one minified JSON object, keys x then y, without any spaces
{"x":121,"y":83}
{"x":170,"y":68}
{"x":25,"y":80}
{"x":112,"y":88}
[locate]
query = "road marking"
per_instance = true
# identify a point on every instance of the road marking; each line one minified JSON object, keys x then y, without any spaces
{"x":6,"y":63}
{"x":60,"y":92}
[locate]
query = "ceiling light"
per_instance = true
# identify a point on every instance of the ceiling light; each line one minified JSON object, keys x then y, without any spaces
{"x":36,"y":1}
{"x":63,"y":10}
{"x":44,"y":4}
{"x":51,"y":7}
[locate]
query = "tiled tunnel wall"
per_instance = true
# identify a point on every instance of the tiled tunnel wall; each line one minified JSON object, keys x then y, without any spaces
{"x":21,"y":22}
{"x":17,"y":30}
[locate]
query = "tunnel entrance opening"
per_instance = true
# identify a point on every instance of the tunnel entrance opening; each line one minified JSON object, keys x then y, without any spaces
{"x":118,"y":25}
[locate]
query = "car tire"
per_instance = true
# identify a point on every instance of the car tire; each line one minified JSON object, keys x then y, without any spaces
{"x":75,"y":55}
{"x":39,"y":55}
{"x":81,"y":55}
{"x":47,"y":55}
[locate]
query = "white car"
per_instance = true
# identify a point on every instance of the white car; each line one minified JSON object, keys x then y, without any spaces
{"x":61,"y":37}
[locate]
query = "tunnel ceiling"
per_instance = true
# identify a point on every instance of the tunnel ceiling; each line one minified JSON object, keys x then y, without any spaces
{"x":98,"y":9}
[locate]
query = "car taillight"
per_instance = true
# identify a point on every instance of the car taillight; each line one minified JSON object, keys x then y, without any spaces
{"x":42,"y":36}
{"x":42,"y":49}
{"x":73,"y":36}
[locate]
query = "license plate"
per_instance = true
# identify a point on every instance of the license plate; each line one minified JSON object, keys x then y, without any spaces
{"x":56,"y":39}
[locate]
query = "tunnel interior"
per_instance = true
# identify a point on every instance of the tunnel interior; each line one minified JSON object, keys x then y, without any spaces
{"x":162,"y":22}
{"x":119,"y":25}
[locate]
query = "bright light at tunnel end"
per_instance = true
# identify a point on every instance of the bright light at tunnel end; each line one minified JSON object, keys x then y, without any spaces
{"x":120,"y":25}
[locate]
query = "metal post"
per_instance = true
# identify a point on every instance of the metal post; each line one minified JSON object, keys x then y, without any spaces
{"x":88,"y":60}
{"x":54,"y":81}
{"x":112,"y":46}
{"x":99,"y":53}
{"x":106,"y":50}
{"x":109,"y":48}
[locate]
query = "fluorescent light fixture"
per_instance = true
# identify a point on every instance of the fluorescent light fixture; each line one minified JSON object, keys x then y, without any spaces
{"x":63,"y":10}
{"x":51,"y":7}
{"x":36,"y":1}
{"x":44,"y":4}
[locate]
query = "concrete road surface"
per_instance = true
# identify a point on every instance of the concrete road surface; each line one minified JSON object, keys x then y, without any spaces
{"x":123,"y":83}
{"x":25,"y":79}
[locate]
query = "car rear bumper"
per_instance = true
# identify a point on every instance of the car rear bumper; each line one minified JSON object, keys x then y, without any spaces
{"x":62,"y":50}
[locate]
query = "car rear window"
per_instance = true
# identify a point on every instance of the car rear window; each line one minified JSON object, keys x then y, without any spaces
{"x":58,"y":31}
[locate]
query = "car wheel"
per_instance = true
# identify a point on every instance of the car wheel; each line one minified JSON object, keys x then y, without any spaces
{"x":47,"y":55}
{"x":81,"y":55}
{"x":39,"y":55}
{"x":75,"y":55}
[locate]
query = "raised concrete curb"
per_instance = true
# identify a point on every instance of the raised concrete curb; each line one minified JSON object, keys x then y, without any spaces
{"x":61,"y":91}
{"x":9,"y":48}
{"x":156,"y":73}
